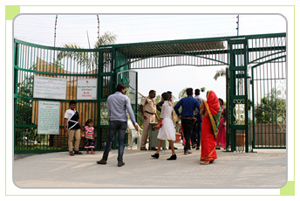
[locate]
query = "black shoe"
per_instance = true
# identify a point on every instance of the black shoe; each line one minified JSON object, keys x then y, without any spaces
{"x":155,"y":155}
{"x":173,"y":157}
{"x":101,"y":162}
{"x":211,"y":162}
{"x":175,"y":148}
{"x":120,"y":164}
{"x":197,"y":148}
{"x":153,"y":149}
{"x":143,"y":149}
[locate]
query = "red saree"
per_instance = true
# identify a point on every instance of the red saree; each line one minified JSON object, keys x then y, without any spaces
{"x":208,"y":132}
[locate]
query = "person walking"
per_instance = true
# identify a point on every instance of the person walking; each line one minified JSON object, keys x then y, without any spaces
{"x":72,"y":127}
{"x":196,"y":135}
{"x":117,"y":104}
{"x":211,"y":112}
{"x":159,"y":105}
{"x":188,"y":104}
{"x":148,"y":110}
{"x":167,"y":130}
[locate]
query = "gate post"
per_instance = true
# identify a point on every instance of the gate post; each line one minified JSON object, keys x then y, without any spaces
{"x":238,"y":92}
{"x":16,"y":64}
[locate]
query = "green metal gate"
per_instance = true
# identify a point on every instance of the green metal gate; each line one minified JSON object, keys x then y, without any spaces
{"x":267,"y":61}
{"x":255,"y":95}
{"x":35,"y":60}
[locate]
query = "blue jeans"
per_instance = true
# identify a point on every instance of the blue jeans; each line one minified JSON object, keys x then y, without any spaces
{"x":120,"y":127}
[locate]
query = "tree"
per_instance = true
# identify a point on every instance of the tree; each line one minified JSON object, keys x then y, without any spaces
{"x":271,"y":108}
{"x":84,"y":59}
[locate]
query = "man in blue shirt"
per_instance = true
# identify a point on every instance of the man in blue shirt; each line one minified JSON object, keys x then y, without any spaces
{"x":188,"y":104}
{"x":117,"y":104}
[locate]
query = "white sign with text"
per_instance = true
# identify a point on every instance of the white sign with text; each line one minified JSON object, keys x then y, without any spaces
{"x":49,"y":87}
{"x":48,"y":117}
{"x":87,"y":89}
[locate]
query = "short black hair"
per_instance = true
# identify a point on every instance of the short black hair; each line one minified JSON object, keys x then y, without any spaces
{"x":169,"y":92}
{"x":221,"y":100}
{"x":151,"y":91}
{"x":120,"y":87}
{"x":165,"y":96}
{"x":189,"y":91}
{"x":197,"y":92}
{"x":72,"y":102}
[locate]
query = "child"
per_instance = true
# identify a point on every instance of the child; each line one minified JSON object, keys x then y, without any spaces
{"x":72,"y":127}
{"x":89,"y":136}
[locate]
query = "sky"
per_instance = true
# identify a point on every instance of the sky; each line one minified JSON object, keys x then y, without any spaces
{"x":77,"y":29}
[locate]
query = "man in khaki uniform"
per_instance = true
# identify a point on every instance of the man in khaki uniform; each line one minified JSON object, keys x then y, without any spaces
{"x":148,"y":110}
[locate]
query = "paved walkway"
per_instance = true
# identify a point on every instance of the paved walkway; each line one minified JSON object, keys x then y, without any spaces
{"x":266,"y":168}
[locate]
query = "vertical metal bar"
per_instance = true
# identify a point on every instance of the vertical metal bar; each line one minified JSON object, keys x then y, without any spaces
{"x":246,"y":93}
{"x":16,"y":63}
{"x":99,"y":95}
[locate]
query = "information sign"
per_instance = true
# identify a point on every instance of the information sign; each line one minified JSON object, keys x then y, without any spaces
{"x":48,"y":117}
{"x":49,"y":87}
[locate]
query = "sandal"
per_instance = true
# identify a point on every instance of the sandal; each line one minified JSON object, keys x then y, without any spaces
{"x":71,"y":153}
{"x":78,"y":152}
{"x":204,"y":163}
{"x":92,"y":152}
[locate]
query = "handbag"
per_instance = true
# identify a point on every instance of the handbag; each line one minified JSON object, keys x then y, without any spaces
{"x":174,"y":116}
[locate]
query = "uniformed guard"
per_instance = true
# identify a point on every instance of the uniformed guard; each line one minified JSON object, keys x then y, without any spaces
{"x":148,"y":110}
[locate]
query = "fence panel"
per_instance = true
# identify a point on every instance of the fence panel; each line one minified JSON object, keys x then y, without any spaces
{"x":35,"y":60}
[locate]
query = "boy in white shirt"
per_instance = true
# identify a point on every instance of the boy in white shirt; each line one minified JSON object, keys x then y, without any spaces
{"x":72,"y":126}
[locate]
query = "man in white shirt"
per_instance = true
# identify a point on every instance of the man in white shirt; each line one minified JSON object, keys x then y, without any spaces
{"x":72,"y":126}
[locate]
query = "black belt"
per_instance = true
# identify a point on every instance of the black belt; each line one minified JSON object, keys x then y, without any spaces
{"x":150,"y":113}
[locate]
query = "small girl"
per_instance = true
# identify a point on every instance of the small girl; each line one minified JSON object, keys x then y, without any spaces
{"x":89,"y":136}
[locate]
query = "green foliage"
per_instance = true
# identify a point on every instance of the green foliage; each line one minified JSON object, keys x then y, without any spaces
{"x":84,"y":59}
{"x":271,"y":109}
{"x":220,"y":73}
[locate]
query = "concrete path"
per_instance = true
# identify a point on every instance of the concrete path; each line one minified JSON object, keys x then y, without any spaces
{"x":266,"y":168}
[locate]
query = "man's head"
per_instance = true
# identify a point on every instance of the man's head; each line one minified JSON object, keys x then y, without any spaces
{"x":197,"y":92}
{"x":72,"y":104}
{"x":121,"y":88}
{"x":152,"y":94}
{"x":170,"y":95}
{"x":165,"y":96}
{"x":189,"y":91}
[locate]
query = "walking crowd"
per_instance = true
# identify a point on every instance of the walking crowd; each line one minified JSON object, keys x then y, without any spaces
{"x":203,"y":124}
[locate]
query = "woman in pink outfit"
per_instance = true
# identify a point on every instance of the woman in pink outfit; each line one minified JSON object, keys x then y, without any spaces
{"x":221,"y":138}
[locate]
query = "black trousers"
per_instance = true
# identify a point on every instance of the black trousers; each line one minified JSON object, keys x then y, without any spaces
{"x":187,"y":126}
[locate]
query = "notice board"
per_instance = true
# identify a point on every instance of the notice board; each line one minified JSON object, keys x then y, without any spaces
{"x":49,"y":87}
{"x":87,"y":89}
{"x":48,"y":117}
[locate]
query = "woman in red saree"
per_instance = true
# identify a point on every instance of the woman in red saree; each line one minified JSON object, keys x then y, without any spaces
{"x":211,"y":112}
